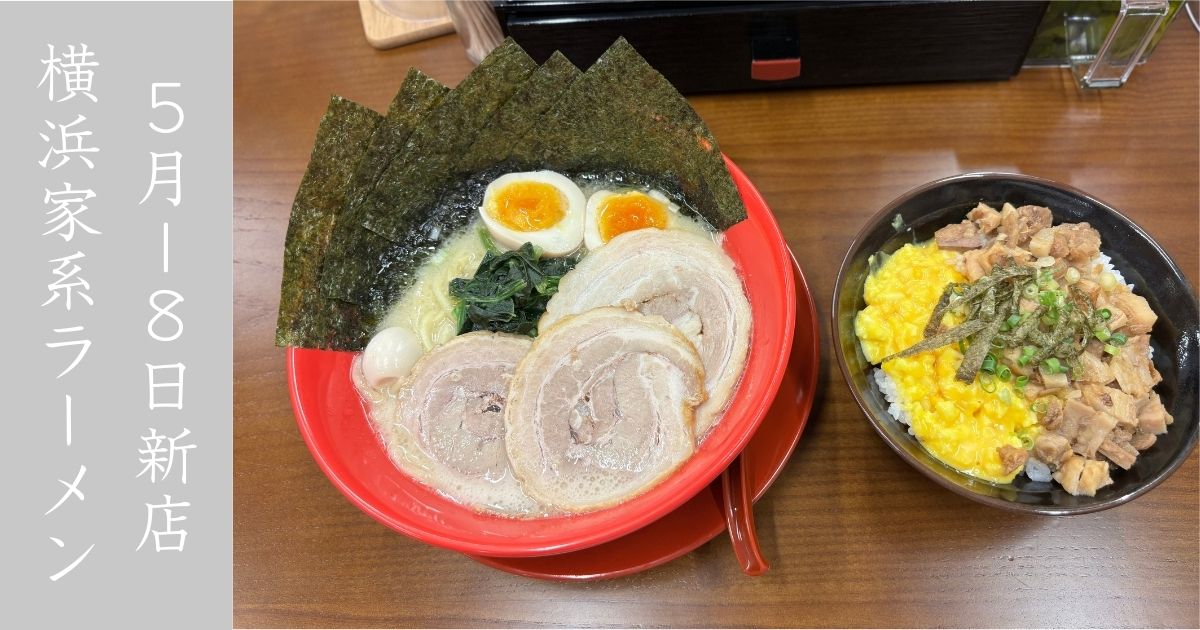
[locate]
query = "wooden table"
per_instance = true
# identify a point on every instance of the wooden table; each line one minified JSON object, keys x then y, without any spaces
{"x":856,"y":536}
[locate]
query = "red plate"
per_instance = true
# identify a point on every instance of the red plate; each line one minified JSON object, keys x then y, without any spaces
{"x":703,"y":517}
{"x":333,"y":422}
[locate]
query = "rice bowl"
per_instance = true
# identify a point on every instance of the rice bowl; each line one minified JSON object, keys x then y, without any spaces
{"x":1142,"y":263}
{"x":1034,"y":469}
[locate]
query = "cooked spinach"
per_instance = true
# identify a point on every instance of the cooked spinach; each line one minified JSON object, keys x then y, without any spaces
{"x":509,"y":291}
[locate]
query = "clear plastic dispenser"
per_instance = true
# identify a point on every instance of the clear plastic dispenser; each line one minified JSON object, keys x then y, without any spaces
{"x":1105,"y":60}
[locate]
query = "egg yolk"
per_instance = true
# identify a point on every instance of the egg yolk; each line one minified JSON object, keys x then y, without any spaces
{"x":528,"y":206}
{"x":629,"y":211}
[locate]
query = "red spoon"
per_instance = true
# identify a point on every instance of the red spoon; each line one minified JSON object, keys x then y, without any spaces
{"x":738,"y":499}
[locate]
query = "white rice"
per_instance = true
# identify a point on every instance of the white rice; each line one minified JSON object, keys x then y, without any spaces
{"x":1034,"y":469}
{"x":1103,"y":259}
{"x":888,"y":387}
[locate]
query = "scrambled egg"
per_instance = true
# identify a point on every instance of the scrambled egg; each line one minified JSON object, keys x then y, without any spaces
{"x":962,"y":425}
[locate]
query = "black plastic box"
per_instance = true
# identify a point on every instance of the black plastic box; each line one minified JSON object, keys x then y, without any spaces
{"x":727,"y":46}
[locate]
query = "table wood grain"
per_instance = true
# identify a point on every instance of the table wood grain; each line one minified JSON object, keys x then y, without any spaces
{"x":855,"y":536}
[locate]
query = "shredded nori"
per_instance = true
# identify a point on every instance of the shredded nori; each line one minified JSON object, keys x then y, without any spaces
{"x":943,"y":338}
{"x":981,"y":343}
{"x":306,"y":318}
{"x":988,"y":304}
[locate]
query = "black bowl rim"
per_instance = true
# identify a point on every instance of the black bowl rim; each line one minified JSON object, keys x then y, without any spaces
{"x":993,"y":501}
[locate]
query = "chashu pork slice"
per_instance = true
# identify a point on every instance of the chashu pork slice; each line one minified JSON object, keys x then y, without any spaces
{"x":602,"y":408}
{"x":444,"y":425}
{"x":682,"y":276}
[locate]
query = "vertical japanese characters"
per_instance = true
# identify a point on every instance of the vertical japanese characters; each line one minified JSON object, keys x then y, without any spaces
{"x":70,"y":190}
{"x":164,"y":455}
{"x":118,"y":272}
{"x":68,"y":164}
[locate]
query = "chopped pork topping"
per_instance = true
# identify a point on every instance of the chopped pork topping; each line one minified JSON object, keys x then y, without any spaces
{"x":1051,"y":448}
{"x":1137,"y":310}
{"x":1142,"y":441}
{"x":1153,"y":418}
{"x":965,"y":235}
{"x":1122,"y":455}
{"x":1093,"y":477}
{"x":1132,"y":368}
{"x":986,"y":217}
{"x":1082,"y":476}
{"x":1112,"y":401}
{"x":1092,"y":432}
{"x":1094,"y":369}
{"x":1012,"y":458}
{"x":1053,"y":416}
{"x":1079,"y":241}
{"x":1020,"y":224}
{"x":1095,"y":400}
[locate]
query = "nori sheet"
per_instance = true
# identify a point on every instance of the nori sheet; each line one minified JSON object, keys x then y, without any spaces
{"x":413,"y":181}
{"x":417,"y":94}
{"x":416,"y":97}
{"x":306,"y":318}
{"x":463,"y":194}
{"x":622,"y":114}
{"x":521,"y":113}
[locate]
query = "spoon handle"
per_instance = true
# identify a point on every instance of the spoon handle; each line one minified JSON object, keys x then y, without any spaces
{"x":739,"y":518}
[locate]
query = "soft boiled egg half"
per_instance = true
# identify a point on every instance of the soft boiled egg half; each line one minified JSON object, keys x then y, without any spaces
{"x":538,"y":207}
{"x":613,"y":212}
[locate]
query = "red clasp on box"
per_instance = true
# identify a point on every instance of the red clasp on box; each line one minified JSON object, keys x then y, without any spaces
{"x":774,"y":69}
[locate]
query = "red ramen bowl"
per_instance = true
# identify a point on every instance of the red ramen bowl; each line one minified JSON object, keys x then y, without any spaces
{"x":334,"y":423}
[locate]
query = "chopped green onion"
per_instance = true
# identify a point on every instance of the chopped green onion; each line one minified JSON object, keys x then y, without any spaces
{"x":1053,"y":366}
{"x":987,"y":383}
{"x":1111,"y":349}
{"x":1104,"y":313}
{"x":1021,"y":382}
{"x":1026,"y":441}
{"x":1102,"y":333}
{"x":997,"y":344}
{"x":962,"y":346}
{"x":1004,"y":373}
{"x":1047,"y":298}
{"x":989,"y":363}
{"x":1118,"y":339}
{"x":898,"y":223}
{"x":1107,"y":281}
{"x":1006,"y":396}
{"x":1030,"y":291}
{"x":1072,"y":275}
{"x":1026,"y":355}
{"x":1013,"y":320}
{"x":1040,"y":406}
